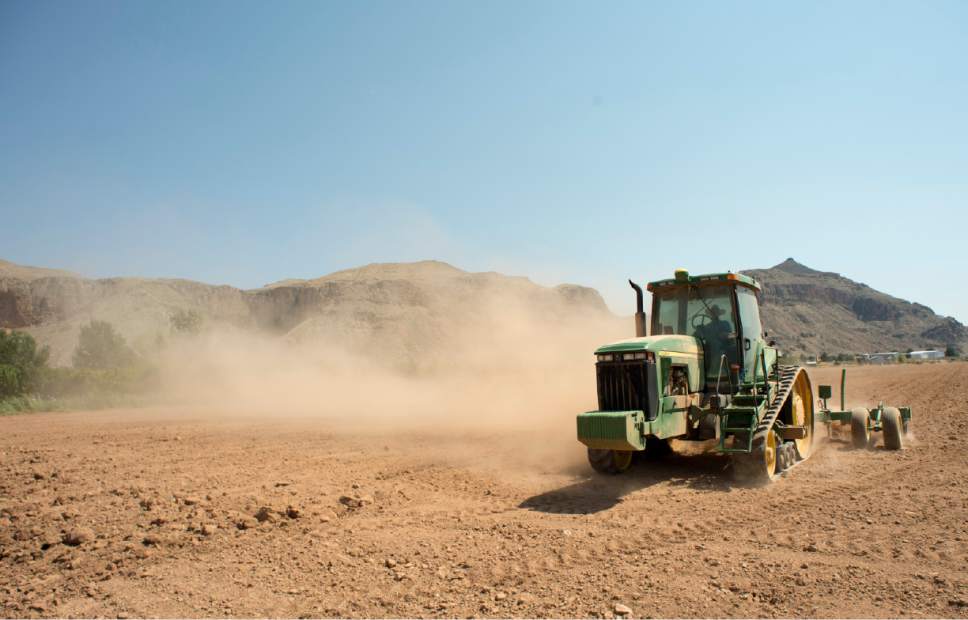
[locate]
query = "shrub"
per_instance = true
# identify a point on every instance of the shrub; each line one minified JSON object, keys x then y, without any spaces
{"x":187,"y":322}
{"x":20,"y":363}
{"x":100,"y":346}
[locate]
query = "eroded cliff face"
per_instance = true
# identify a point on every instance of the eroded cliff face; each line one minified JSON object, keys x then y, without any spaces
{"x":410,"y":311}
{"x":812,"y":311}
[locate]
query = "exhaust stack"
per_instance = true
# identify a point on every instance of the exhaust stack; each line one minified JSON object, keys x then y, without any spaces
{"x":639,"y":312}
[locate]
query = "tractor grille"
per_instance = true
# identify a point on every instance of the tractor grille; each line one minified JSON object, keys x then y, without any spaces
{"x":627,"y":386}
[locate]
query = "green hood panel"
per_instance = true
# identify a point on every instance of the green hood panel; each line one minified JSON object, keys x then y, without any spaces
{"x":670,"y":343}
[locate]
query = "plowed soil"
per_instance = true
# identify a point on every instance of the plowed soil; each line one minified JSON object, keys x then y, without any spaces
{"x":162,"y":512}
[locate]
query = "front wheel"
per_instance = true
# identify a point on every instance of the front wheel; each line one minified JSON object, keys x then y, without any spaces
{"x":609,"y":462}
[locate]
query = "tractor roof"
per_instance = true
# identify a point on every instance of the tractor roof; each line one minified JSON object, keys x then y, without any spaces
{"x":682,"y":277}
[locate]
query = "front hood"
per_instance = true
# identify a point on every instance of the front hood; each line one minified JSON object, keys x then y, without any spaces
{"x":672,"y":343}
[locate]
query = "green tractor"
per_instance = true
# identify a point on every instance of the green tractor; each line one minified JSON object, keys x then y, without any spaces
{"x":707,"y":372}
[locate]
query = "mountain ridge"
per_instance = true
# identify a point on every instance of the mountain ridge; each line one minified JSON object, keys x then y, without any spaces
{"x":822,"y":311}
{"x":410,"y":304}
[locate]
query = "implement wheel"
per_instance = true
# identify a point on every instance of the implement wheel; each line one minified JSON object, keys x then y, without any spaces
{"x":609,"y":462}
{"x":860,"y":431}
{"x":892,"y":425}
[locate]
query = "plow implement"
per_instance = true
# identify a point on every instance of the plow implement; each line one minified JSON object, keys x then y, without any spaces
{"x":860,"y":423}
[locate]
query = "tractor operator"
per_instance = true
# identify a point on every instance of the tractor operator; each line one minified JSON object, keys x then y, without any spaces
{"x":717,"y":334}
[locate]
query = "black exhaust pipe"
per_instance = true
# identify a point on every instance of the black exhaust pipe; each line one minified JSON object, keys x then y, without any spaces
{"x":639,"y":312}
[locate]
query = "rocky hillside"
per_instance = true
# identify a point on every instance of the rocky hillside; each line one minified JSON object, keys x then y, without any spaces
{"x":410,"y":311}
{"x":812,"y":311}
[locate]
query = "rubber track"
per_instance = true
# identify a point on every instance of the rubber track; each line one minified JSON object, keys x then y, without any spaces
{"x":788,"y":375}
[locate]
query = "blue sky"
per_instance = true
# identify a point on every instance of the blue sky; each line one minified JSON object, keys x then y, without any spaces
{"x":243,"y":143}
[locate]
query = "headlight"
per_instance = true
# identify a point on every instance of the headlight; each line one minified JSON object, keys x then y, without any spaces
{"x":625,"y":357}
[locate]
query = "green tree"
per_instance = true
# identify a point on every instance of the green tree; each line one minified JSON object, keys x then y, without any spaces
{"x":21,"y":362}
{"x":952,"y":350}
{"x":825,"y":357}
{"x":100,"y":346}
{"x":188,"y":322}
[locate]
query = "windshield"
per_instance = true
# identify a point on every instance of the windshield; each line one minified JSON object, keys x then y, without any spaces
{"x":703,"y":312}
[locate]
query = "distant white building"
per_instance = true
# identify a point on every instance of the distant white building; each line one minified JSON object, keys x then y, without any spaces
{"x":930,"y":354}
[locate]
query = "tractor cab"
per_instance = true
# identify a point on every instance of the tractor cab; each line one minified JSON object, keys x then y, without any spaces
{"x":721,"y":312}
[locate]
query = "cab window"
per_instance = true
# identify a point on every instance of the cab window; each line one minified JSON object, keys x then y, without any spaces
{"x":705,"y":313}
{"x":749,"y":313}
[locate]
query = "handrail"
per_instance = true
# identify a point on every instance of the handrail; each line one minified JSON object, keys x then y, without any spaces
{"x":719,"y":375}
{"x":766,"y":375}
{"x":756,"y":392}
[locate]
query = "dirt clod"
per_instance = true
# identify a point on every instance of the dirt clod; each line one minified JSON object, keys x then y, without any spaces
{"x":355,"y":501}
{"x":78,"y":536}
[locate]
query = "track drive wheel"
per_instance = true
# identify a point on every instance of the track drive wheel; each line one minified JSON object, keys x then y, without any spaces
{"x":609,"y":462}
{"x":860,"y":432}
{"x":892,"y":425}
{"x":801,"y":412}
{"x":760,"y":465}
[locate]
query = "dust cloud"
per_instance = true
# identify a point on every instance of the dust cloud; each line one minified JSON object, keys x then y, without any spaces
{"x":507,"y":364}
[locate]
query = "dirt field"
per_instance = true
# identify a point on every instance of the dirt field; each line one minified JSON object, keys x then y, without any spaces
{"x":189,"y":513}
